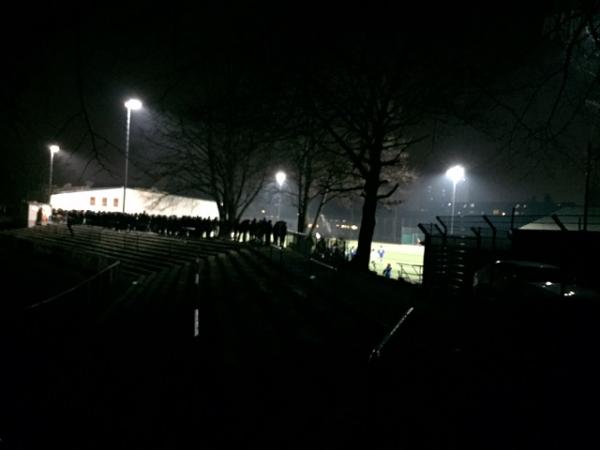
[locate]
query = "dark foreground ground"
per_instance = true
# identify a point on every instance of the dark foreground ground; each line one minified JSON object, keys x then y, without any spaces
{"x":279,"y":358}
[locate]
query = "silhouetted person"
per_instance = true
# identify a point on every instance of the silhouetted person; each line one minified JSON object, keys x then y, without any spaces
{"x":260,"y":230}
{"x":268,"y":232}
{"x":244,"y":229}
{"x":321,"y":248}
{"x":39,"y":217}
{"x":70,"y":222}
{"x":279,"y":232}
{"x":253,"y":229}
{"x":387,"y":272}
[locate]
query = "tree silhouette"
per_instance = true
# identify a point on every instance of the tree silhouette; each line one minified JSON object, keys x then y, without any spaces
{"x":371,"y":105}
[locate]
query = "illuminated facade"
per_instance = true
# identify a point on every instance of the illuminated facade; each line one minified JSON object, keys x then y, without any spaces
{"x":138,"y":201}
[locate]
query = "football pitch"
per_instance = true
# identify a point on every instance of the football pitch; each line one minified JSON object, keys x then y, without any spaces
{"x":406,"y":260}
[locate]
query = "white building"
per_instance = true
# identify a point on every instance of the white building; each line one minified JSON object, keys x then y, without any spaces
{"x":137,"y":201}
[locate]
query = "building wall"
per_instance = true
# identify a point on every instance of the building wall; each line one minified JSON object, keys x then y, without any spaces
{"x":32,"y":210}
{"x":81,"y":200}
{"x":137,"y":201}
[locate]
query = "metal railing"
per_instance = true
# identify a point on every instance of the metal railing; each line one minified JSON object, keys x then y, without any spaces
{"x":411,"y":272}
{"x":376,"y":352}
{"x":85,"y":286}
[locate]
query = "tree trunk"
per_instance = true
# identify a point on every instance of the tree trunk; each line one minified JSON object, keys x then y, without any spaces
{"x":302,"y":219}
{"x":323,"y":200}
{"x":367,"y":224}
{"x":304,"y":184}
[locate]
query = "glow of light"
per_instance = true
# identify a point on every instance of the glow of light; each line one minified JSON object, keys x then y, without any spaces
{"x":548,"y":283}
{"x":54,"y":148}
{"x":133,"y":104}
{"x":456,"y":173}
{"x":569,"y":294}
{"x":280,"y":178}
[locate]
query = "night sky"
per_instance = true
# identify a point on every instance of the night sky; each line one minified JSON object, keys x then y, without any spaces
{"x":68,"y":70}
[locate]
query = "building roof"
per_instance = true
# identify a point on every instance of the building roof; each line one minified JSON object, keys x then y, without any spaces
{"x":571,"y":217}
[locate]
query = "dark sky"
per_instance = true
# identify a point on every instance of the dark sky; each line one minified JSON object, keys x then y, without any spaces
{"x":60,"y":60}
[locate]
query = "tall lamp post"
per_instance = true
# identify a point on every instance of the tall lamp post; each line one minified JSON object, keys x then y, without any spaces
{"x":53,"y":150}
{"x":456,"y":174}
{"x":132,"y":104}
{"x":280,"y":178}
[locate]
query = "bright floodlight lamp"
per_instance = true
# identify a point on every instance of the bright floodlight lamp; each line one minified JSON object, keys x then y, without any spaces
{"x":53,"y":150}
{"x":280,"y":178}
{"x":133,"y":104}
{"x":456,"y":174}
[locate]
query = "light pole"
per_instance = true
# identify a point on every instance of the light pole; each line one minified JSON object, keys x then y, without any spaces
{"x":131,"y":105}
{"x":456,"y":174}
{"x":280,"y":178}
{"x":53,"y":149}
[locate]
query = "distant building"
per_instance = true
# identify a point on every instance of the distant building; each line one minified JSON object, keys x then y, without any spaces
{"x":137,"y":201}
{"x":570,"y":217}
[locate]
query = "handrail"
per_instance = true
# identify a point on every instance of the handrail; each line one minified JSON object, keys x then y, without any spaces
{"x":417,"y":271}
{"x":74,"y":288}
{"x":310,"y":259}
{"x":377,"y":350}
{"x":316,"y":261}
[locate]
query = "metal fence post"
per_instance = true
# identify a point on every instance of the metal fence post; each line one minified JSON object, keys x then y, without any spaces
{"x":489,"y":222}
{"x":438,"y":218}
{"x":197,"y":275}
{"x":477,"y":232}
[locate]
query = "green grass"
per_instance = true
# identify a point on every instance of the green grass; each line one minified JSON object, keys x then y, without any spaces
{"x":396,"y":254}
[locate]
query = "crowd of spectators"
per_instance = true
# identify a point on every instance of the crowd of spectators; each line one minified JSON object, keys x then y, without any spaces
{"x":255,"y":231}
{"x":331,"y":251}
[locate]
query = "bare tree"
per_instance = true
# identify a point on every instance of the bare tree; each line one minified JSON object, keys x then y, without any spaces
{"x":320,"y":173}
{"x":370,"y":109}
{"x":219,"y":147}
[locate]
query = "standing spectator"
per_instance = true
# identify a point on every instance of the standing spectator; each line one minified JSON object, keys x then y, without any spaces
{"x":387,"y":272}
{"x":70,"y":222}
{"x":279,"y":232}
{"x":268,"y":232}
{"x":321,"y":248}
{"x":244,"y":229}
{"x":352,"y":252}
{"x":39,"y":217}
{"x":253,"y":229}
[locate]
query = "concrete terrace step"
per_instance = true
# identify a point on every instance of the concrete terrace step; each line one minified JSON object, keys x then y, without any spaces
{"x":125,"y":243}
{"x":148,"y":299}
{"x":256,"y":326}
{"x":142,"y":260}
{"x":139,"y":241}
{"x":276,"y":298}
{"x":349,"y":333}
{"x":130,"y":261}
{"x":219,"y":336}
{"x":215,"y":245}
